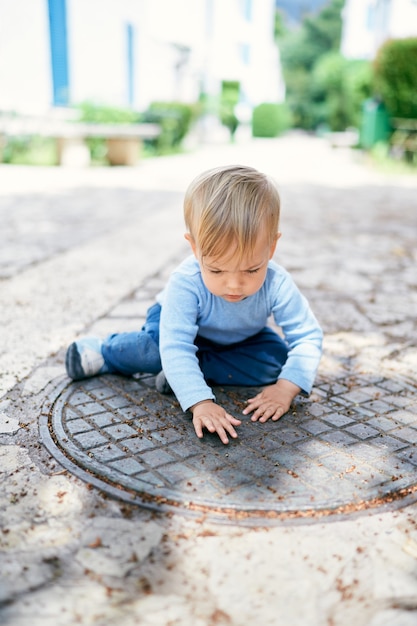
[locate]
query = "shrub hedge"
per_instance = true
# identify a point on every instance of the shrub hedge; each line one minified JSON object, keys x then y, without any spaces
{"x":270,"y":119}
{"x":175,"y":120}
{"x":395,"y":76}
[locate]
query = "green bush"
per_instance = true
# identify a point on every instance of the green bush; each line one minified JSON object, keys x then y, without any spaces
{"x":101,"y":114}
{"x":228,"y":101}
{"x":395,"y":73}
{"x":175,"y":119}
{"x":270,"y":119}
{"x":29,"y":150}
{"x":358,"y":85}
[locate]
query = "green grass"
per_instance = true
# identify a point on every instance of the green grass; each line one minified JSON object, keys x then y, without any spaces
{"x":30,"y":151}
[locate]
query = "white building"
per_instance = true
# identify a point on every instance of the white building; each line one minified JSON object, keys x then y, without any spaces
{"x":128,"y":53}
{"x":368,"y":23}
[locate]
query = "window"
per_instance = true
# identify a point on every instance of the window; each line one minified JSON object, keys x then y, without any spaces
{"x":130,"y":49}
{"x":57,"y":13}
{"x":246,"y":9}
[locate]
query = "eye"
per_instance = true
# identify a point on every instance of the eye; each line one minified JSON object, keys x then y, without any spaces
{"x":252,"y":271}
{"x":215,"y":271}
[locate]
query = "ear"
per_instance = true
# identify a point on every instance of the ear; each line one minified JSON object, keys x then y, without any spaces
{"x":274,"y":245}
{"x":192,"y":243}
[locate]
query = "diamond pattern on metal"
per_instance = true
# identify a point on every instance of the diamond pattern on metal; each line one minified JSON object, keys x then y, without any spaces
{"x":348,"y":451}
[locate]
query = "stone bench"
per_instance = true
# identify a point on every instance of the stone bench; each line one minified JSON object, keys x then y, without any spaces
{"x":123,"y":140}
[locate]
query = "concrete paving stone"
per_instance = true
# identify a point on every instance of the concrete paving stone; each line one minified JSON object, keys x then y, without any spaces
{"x":337,"y":419}
{"x":314,"y":448}
{"x":123,"y":465}
{"x":382,"y":423}
{"x":8,"y":425}
{"x":390,"y":443}
{"x":338,"y":437}
{"x":78,"y":425}
{"x":394,"y":617}
{"x":131,"y":309}
{"x":316,"y":427}
{"x":17,"y":578}
{"x":291,"y":435}
{"x":138,"y":445}
{"x":91,"y":439}
{"x":101,"y":419}
{"x":409,"y":455}
{"x":363,"y":431}
{"x":406,"y":434}
{"x":40,"y":379}
{"x":120,"y":431}
{"x":108,"y":452}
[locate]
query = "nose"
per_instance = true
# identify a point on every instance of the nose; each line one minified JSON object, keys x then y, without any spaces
{"x":234,"y":282}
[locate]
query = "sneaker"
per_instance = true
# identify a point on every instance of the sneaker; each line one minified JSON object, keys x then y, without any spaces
{"x":162,"y":385}
{"x":84,"y":358}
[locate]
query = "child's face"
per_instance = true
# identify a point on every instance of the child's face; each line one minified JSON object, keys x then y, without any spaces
{"x":232,"y":279}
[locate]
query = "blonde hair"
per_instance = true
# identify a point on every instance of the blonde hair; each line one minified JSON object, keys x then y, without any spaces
{"x":231,"y":205}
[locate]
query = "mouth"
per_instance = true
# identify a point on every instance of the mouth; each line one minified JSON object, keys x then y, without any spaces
{"x":233,"y":298}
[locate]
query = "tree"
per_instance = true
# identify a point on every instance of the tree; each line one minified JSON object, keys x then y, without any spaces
{"x":339,"y":88}
{"x":300,"y":51}
{"x":395,"y":71}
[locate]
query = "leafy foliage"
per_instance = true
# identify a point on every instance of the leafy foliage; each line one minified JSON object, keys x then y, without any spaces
{"x":28,"y":150}
{"x":175,"y":119}
{"x":270,"y":119}
{"x":323,"y":88}
{"x":228,"y":101}
{"x":395,"y":70}
{"x":339,"y":88}
{"x":101,"y":114}
{"x":301,"y":48}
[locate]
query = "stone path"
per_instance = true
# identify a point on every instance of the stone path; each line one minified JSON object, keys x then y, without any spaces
{"x":86,"y":250}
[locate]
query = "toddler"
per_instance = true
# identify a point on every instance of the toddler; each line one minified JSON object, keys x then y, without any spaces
{"x":209,"y":324}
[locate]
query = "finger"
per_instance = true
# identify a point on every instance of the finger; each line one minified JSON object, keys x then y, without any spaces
{"x":263,"y":413}
{"x":198,"y":429}
{"x":229,"y":428}
{"x":252,"y":406}
{"x":233,"y":420}
{"x":256,"y":415}
{"x":278,"y":413}
{"x":226,"y":426}
{"x":268,"y":412}
{"x":273,"y":413}
{"x":200,"y":424}
{"x":259,"y":410}
{"x":210,"y":426}
{"x":222,"y":434}
{"x":257,"y":397}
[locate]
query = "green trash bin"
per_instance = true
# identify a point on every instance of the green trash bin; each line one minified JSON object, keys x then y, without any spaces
{"x":375,"y":124}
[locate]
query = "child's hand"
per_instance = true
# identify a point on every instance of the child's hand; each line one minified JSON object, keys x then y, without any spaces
{"x":272,"y":402}
{"x":213,"y":417}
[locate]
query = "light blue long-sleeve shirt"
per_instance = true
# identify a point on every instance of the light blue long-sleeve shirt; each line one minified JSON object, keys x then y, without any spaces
{"x":189,"y":308}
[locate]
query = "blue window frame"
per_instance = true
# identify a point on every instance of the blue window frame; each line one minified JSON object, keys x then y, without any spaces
{"x":130,"y":40}
{"x":57,"y":12}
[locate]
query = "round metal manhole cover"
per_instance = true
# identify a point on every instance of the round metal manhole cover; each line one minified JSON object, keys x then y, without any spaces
{"x":353,"y":449}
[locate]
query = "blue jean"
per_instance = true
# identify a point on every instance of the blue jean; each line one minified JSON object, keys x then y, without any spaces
{"x":257,"y":360}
